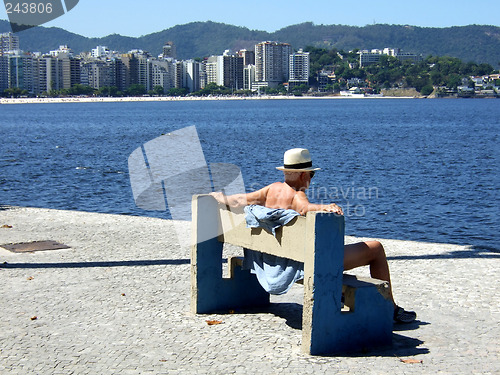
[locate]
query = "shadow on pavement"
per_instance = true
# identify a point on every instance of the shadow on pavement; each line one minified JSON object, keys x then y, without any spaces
{"x":409,"y":326}
{"x":474,"y":252}
{"x":120,"y":263}
{"x":291,"y":312}
{"x":402,"y":346}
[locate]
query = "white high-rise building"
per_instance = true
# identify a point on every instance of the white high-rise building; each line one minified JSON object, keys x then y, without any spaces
{"x":8,"y":43}
{"x":62,"y":50}
{"x":272,"y":62}
{"x":191,"y":75}
{"x":299,"y":68}
{"x":100,"y":51}
{"x":211,"y":70}
{"x":249,"y":77}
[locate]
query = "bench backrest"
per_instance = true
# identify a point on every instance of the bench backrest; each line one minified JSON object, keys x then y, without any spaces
{"x":290,"y":240}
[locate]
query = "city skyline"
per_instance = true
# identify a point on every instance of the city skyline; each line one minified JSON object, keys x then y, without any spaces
{"x":270,"y":66}
{"x":128,"y":18}
{"x":37,"y":73}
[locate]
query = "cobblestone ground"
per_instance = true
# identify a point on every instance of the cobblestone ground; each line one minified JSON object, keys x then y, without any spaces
{"x":118,"y":301}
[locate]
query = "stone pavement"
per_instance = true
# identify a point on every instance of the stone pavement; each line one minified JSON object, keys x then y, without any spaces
{"x":118,"y":302}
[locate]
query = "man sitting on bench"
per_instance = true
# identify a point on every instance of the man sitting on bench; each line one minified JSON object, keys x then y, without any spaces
{"x":299,"y":171}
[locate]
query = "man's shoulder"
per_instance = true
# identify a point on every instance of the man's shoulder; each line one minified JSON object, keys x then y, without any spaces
{"x":278,"y":187}
{"x":276,"y":184}
{"x":300,"y":196}
{"x":282,"y":191}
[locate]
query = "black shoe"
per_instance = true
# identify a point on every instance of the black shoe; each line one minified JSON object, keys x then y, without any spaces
{"x":403,"y":316}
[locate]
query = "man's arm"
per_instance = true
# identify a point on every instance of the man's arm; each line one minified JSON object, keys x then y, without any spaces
{"x":239,"y":200}
{"x":302,"y":205}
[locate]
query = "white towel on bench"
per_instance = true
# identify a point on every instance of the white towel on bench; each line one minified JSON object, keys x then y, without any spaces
{"x":275,"y":274}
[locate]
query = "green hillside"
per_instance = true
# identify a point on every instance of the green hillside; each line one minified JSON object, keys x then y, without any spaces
{"x":480,"y":44}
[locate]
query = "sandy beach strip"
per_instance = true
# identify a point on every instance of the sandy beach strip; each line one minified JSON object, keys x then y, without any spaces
{"x":178,"y":98}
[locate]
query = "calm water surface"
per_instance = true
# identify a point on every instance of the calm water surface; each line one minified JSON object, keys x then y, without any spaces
{"x":423,"y":170}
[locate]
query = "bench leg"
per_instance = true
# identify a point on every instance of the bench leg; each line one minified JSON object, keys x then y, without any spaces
{"x":323,"y":269}
{"x":210,"y":292}
{"x":369,"y":319}
{"x":327,"y":329}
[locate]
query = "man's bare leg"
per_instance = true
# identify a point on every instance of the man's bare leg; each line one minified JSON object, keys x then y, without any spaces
{"x":372,"y":254}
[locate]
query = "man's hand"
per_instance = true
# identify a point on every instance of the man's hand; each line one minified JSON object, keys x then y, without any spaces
{"x":219,"y":197}
{"x":334,"y":208}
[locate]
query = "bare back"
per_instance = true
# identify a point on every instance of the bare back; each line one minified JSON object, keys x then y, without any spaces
{"x":280,"y":195}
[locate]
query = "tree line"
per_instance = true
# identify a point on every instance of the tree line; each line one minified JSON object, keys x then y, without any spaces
{"x":389,"y":72}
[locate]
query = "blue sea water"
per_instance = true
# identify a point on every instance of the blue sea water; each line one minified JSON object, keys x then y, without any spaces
{"x":425,"y":170}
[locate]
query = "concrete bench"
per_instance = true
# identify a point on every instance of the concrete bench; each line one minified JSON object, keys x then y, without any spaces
{"x":317,"y":240}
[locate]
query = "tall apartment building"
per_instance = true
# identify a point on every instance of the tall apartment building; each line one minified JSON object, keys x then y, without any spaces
{"x":232,"y":70}
{"x":55,"y":73}
{"x":163,"y":74}
{"x":299,"y":69}
{"x":225,"y":70}
{"x":179,"y":74}
{"x":169,"y":50}
{"x":144,"y":71}
{"x":211,"y":72}
{"x":129,"y":71}
{"x":4,"y":73}
{"x":272,"y":63}
{"x":192,"y":72}
{"x":20,"y":71}
{"x":65,"y":71}
{"x":120,"y":74}
{"x":8,"y":42}
{"x":98,"y":73}
{"x":249,"y":77}
{"x":43,"y":78}
{"x":248,"y":57}
{"x":324,"y":79}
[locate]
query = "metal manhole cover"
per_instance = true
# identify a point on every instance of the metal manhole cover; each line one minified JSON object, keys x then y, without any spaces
{"x":26,"y":247}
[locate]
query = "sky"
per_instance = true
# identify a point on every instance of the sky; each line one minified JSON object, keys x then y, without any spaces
{"x":98,"y":18}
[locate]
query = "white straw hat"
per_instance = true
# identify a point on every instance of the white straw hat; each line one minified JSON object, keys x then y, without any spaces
{"x":297,"y":160}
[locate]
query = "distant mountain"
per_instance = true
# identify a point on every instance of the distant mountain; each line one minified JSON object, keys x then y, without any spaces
{"x":480,"y":44}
